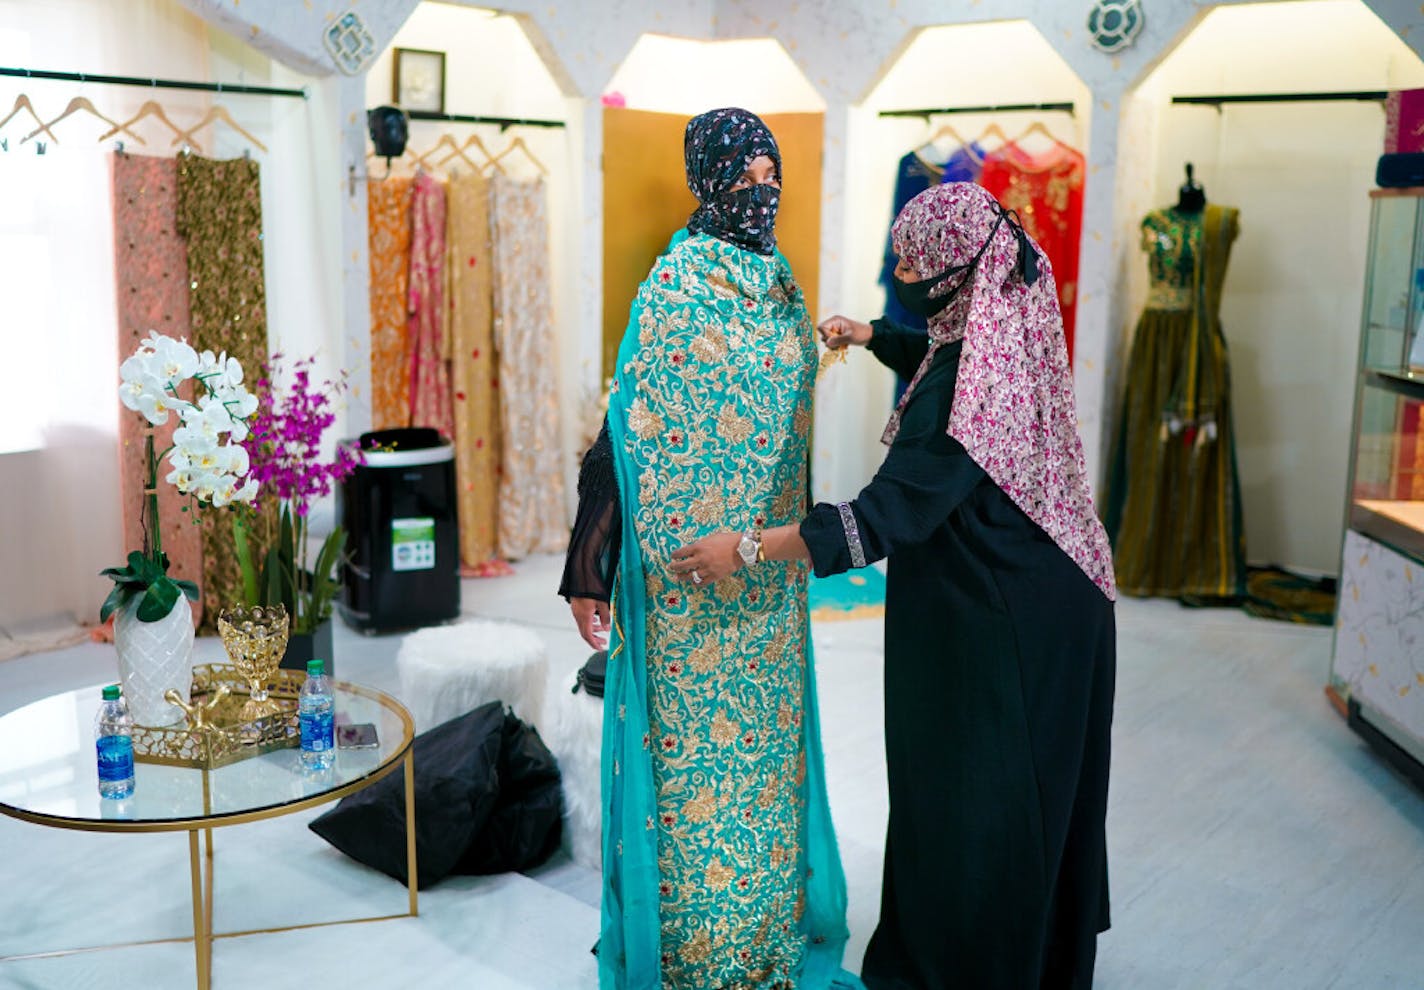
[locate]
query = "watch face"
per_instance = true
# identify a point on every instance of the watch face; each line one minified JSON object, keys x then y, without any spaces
{"x":747,"y":549}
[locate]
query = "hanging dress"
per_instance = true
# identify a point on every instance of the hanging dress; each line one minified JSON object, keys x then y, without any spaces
{"x":1174,"y":498}
{"x":220,"y":215}
{"x":388,"y":218}
{"x":1047,"y":191}
{"x":151,"y":272}
{"x":429,"y":354}
{"x":720,"y":865}
{"x":473,"y":373}
{"x":532,"y":516}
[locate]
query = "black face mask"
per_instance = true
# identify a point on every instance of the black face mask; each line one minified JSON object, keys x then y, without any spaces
{"x":915,"y":296}
{"x":745,"y":217}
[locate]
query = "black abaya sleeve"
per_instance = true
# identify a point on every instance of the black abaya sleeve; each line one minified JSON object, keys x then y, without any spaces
{"x":592,"y":559}
{"x":923,"y":479}
{"x":900,"y":348}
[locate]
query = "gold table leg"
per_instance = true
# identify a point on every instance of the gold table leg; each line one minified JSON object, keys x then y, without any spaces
{"x":202,"y":921}
{"x":410,"y":861}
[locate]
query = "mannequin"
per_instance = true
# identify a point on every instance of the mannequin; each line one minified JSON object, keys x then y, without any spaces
{"x":1173,"y":507}
{"x":1191,"y":198}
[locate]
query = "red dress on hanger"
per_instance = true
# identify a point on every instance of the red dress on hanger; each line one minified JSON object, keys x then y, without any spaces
{"x":1047,"y":191}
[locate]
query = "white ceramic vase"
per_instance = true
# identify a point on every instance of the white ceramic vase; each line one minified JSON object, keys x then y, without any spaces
{"x":154,"y":657}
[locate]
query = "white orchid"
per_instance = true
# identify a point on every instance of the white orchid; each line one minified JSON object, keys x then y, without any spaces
{"x":156,"y":406}
{"x":173,"y":360}
{"x":181,"y":478}
{"x":248,"y":491}
{"x":206,"y":458}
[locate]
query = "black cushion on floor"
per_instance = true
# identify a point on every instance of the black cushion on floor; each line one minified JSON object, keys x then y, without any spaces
{"x":487,"y":800}
{"x":528,"y":820}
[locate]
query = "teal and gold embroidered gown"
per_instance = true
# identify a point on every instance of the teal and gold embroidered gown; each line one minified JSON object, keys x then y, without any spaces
{"x":719,"y":859}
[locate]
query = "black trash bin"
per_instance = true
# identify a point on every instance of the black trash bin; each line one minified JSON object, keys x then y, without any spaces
{"x":399,"y":511}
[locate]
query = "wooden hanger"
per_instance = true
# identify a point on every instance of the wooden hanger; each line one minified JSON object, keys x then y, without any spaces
{"x":993,"y":130}
{"x":22,"y":102}
{"x":945,"y":130}
{"x":459,"y":152}
{"x":75,"y":105}
{"x":1037,"y":127}
{"x":217,"y":112}
{"x":473,"y":141}
{"x":446,"y":141}
{"x":518,"y":145}
{"x":149,"y":109}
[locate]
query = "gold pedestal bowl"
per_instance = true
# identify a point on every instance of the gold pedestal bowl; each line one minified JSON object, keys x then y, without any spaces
{"x":255,"y":638}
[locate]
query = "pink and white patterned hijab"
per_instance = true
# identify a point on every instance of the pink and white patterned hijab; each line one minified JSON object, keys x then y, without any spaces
{"x":1013,"y":406}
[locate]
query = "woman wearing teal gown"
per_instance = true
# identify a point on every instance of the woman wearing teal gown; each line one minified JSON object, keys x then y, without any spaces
{"x":720,"y":869}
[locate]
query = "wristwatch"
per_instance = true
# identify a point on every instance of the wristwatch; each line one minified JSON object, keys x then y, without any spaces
{"x":750,"y":548}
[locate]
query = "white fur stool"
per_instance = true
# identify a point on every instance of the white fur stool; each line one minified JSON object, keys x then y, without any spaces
{"x":446,"y":671}
{"x":572,"y":728}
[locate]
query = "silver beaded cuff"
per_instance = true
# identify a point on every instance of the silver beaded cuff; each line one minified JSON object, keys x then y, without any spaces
{"x":852,"y":535}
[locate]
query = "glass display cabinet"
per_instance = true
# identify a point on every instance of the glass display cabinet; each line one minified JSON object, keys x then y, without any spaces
{"x":1377,"y":670}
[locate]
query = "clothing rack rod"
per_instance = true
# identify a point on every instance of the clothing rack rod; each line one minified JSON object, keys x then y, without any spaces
{"x":1364,"y":96}
{"x":994,"y":108}
{"x":504,"y":122}
{"x":206,"y":87}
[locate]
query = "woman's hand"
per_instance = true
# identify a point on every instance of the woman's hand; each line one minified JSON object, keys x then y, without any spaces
{"x":591,"y":616}
{"x":842,"y":331}
{"x":707,"y":561}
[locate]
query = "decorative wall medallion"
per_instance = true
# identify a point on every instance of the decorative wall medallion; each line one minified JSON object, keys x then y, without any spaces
{"x":350,"y":43}
{"x":1115,"y":24}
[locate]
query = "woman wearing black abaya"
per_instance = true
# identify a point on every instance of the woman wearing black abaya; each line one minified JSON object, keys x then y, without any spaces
{"x":999,"y":634}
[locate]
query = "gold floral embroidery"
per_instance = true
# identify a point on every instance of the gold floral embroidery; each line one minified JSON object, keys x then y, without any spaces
{"x":724,"y":730}
{"x":719,"y":876}
{"x":698,"y":949}
{"x":731,"y":427}
{"x":709,"y":509}
{"x":701,"y":808}
{"x":711,"y":346}
{"x":644,"y":423}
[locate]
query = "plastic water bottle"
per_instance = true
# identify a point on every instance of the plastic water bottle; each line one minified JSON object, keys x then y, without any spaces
{"x":113,"y":739}
{"x":314,"y":707}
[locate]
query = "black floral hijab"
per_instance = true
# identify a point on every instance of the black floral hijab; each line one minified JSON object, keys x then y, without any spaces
{"x":718,"y":147}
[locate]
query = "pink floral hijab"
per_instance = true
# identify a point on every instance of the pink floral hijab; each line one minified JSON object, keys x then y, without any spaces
{"x":1013,"y":406}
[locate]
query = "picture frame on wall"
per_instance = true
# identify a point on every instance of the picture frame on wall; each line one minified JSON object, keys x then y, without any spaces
{"x":418,"y":80}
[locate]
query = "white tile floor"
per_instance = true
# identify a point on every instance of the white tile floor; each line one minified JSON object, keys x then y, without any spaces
{"x":1255,"y":842}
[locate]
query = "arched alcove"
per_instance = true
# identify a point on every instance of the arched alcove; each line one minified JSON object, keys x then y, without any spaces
{"x":663,"y":82}
{"x":1299,"y":172}
{"x":947,"y":67}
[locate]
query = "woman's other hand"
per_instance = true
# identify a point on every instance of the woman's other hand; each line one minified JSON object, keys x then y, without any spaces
{"x":591,"y":616}
{"x":707,"y":561}
{"x":841,"y":331}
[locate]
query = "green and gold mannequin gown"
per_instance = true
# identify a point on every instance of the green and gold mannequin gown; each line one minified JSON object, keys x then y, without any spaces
{"x":1174,"y":498}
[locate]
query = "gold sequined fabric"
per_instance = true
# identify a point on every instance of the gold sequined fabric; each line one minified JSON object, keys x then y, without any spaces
{"x":388,"y":217}
{"x":532,"y":514}
{"x":473,"y":371}
{"x":151,"y":275}
{"x":220,"y":215}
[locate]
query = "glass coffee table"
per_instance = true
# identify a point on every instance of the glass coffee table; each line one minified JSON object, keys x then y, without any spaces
{"x":49,"y":776}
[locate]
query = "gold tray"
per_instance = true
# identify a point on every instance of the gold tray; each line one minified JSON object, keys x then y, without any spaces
{"x":227,"y":737}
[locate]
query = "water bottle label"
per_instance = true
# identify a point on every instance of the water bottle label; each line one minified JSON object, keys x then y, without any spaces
{"x":115,"y":758}
{"x":316,"y":731}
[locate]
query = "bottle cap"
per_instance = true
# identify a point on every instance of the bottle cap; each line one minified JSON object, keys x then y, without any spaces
{"x":315,"y":667}
{"x":111,"y":693}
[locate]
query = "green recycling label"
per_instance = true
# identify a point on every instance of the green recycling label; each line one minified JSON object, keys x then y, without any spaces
{"x":412,"y":544}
